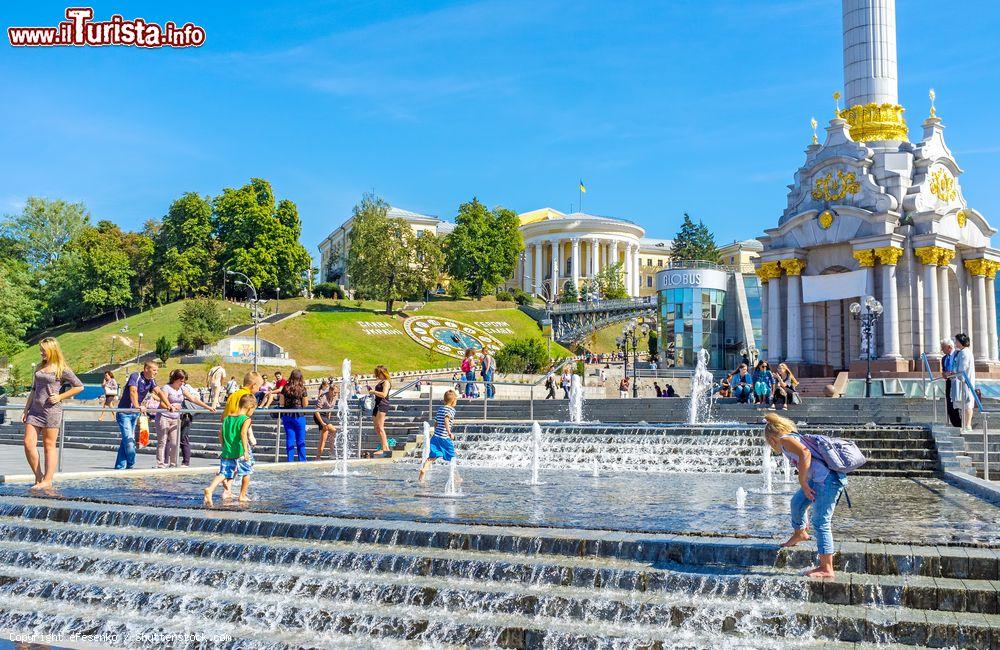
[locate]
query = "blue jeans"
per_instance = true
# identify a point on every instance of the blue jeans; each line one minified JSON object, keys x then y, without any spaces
{"x":742,"y":392}
{"x":827,"y":494}
{"x":126,"y":449}
{"x":487,"y":381}
{"x":470,"y":380}
{"x":295,"y":436}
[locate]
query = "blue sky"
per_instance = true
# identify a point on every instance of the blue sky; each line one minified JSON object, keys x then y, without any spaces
{"x":660,"y":107}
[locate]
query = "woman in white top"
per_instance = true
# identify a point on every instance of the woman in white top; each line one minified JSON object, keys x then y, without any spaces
{"x":961,"y":397}
{"x":168,"y":420}
{"x":110,"y":388}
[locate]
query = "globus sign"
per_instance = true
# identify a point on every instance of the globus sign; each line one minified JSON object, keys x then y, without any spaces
{"x":691,"y":279}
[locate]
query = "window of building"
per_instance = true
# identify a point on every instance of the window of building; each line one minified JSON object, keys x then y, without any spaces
{"x":659,"y":263}
{"x":649,"y":280}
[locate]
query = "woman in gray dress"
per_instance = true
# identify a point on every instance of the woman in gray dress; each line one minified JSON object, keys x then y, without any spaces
{"x":43,"y":410}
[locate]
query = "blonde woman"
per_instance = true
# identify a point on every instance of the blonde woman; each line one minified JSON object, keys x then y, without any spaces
{"x":43,"y":410}
{"x":819,"y":489}
{"x":380,"y":410}
{"x":785,"y":386}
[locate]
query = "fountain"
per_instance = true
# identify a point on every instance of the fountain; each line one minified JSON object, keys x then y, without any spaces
{"x":536,"y":452}
{"x":786,"y":469}
{"x":343,"y":415}
{"x":425,"y":452}
{"x":575,"y":400}
{"x":741,"y":498}
{"x":765,"y":468}
{"x":451,"y":488}
{"x":596,"y":471}
{"x":700,"y":406}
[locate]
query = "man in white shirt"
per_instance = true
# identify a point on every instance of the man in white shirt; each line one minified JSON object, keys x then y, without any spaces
{"x":216,"y":377}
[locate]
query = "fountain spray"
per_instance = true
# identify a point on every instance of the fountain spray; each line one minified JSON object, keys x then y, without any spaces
{"x":536,"y":451}
{"x":343,"y":411}
{"x":451,"y":487}
{"x":741,"y":498}
{"x":786,"y":468}
{"x":766,"y":467}
{"x":699,"y":406}
{"x":597,"y":466}
{"x":575,"y":400}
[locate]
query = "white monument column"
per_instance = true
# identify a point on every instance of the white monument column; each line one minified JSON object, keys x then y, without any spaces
{"x":595,"y":249}
{"x":888,"y":257}
{"x":554,"y":283}
{"x":774,"y":349}
{"x":991,"y":312}
{"x":932,"y":335}
{"x":870,"y":75}
{"x":574,"y":262}
{"x":944,"y":296}
{"x":537,"y":268}
{"x":980,"y":344}
{"x":793,"y":269}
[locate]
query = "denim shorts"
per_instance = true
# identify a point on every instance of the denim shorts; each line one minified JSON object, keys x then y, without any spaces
{"x":233,"y":467}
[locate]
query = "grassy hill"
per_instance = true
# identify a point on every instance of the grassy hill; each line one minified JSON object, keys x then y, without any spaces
{"x":90,"y":346}
{"x":319,"y":340}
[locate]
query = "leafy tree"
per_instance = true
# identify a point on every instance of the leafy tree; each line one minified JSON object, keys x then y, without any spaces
{"x":92,"y":276}
{"x":328,"y":290}
{"x":185,"y":250}
{"x":527,"y":355}
{"x":202,"y":322}
{"x":694,"y":242}
{"x":163,"y":348}
{"x":260,"y":238}
{"x":483,"y":249}
{"x":652,"y":343}
{"x":456,"y":289}
{"x":429,"y":261}
{"x":19,"y":304}
{"x":45,"y":227}
{"x":384,"y":257}
{"x":611,"y":282}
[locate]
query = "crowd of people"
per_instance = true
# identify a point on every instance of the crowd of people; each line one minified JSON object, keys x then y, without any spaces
{"x":761,"y":387}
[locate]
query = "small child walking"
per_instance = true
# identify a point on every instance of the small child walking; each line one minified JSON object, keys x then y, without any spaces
{"x":442,"y":441}
{"x":236,"y":458}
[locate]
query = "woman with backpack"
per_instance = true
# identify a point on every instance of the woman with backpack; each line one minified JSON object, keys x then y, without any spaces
{"x":468,"y":373}
{"x":820,"y":488}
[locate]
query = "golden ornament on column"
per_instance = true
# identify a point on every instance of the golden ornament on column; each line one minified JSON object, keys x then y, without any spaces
{"x":888,"y":255}
{"x":769,"y":271}
{"x":962,"y":218}
{"x":825,"y":219}
{"x":865,"y":258}
{"x":793,"y":266}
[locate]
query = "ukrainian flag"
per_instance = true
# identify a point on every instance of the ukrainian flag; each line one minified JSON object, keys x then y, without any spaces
{"x":583,"y":188}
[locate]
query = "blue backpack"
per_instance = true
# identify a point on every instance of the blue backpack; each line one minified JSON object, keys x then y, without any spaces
{"x":837,"y":454}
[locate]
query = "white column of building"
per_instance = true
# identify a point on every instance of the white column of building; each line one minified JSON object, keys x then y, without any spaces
{"x":628,"y":269}
{"x":991,"y":313}
{"x":637,"y":270}
{"x":536,"y":270}
{"x":595,"y":248}
{"x":634,"y":282}
{"x":793,"y":269}
{"x":932,"y":333}
{"x":764,"y":318}
{"x":554,"y":283}
{"x":574,"y":261}
{"x":774,"y":319}
{"x":888,"y":257}
{"x":944,"y":298}
{"x":980,"y":335}
{"x":614,"y":252}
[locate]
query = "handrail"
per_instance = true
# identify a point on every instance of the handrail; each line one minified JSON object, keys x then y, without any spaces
{"x":985,"y":413}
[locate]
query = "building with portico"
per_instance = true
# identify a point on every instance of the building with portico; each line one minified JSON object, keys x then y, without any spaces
{"x":871,"y":212}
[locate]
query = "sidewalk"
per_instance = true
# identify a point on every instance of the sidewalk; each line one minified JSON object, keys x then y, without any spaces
{"x":12,"y":460}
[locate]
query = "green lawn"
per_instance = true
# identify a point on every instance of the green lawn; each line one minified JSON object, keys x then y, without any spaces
{"x":91,"y":347}
{"x":329,"y":332}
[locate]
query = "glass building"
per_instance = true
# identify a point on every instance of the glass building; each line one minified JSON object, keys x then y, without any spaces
{"x":700,"y":307}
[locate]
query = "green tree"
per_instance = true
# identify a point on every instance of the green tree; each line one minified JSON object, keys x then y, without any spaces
{"x":92,"y":276}
{"x":611,"y":282}
{"x":523,"y":356}
{"x":45,"y":227}
{"x":260,"y":238}
{"x":202,"y":322}
{"x":384,"y":257}
{"x":569,"y":294}
{"x":694,"y":241}
{"x":185,"y":250}
{"x":483,"y":249}
{"x":20,"y":306}
{"x":429,"y":261}
{"x":163,"y":348}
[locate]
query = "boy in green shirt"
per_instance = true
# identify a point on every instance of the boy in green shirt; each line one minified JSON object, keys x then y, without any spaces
{"x":235,"y":459}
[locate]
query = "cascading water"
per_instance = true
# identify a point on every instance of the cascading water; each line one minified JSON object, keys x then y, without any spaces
{"x":700,"y":406}
{"x":786,"y":469}
{"x":343,"y":415}
{"x":765,"y":468}
{"x":536,"y":452}
{"x":425,"y":451}
{"x":575,"y":400}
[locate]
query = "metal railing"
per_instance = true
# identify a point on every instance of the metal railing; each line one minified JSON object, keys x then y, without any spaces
{"x":929,"y":390}
{"x":152,"y":412}
{"x":602,"y":305}
{"x":985,"y":413}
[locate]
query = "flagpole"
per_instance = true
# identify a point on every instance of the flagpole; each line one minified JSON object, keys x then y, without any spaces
{"x":580,"y":189}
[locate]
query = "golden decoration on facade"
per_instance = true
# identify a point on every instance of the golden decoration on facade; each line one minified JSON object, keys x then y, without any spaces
{"x":945,"y":256}
{"x":876,"y":122}
{"x":793,"y":266}
{"x":813,"y":123}
{"x":981,"y":267}
{"x":825,"y":219}
{"x":934,"y":255}
{"x":962,"y":218}
{"x":933,"y":96}
{"x":943,"y":185}
{"x":888,"y":255}
{"x":828,"y":188}
{"x":865,"y":258}
{"x":836,"y":103}
{"x":768,"y":271}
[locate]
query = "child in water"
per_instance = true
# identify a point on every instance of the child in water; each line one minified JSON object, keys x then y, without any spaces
{"x":442,"y":441}
{"x":235,"y":459}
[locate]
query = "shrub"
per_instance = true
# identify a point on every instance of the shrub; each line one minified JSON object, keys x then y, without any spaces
{"x":329,"y":290}
{"x":521,"y":298}
{"x":201,"y":322}
{"x":581,"y":368}
{"x":505,"y":296}
{"x":456,"y":289}
{"x":163,"y":349}
{"x":523,"y":356}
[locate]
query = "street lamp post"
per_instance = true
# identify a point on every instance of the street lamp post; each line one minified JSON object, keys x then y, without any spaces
{"x":867,"y":316}
{"x":277,"y":299}
{"x":254,"y":310}
{"x":631,"y":334}
{"x":138,"y":348}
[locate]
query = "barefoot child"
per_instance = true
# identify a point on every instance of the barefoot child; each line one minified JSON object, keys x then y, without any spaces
{"x":441,"y":442}
{"x":820,"y":489}
{"x":236,"y":459}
